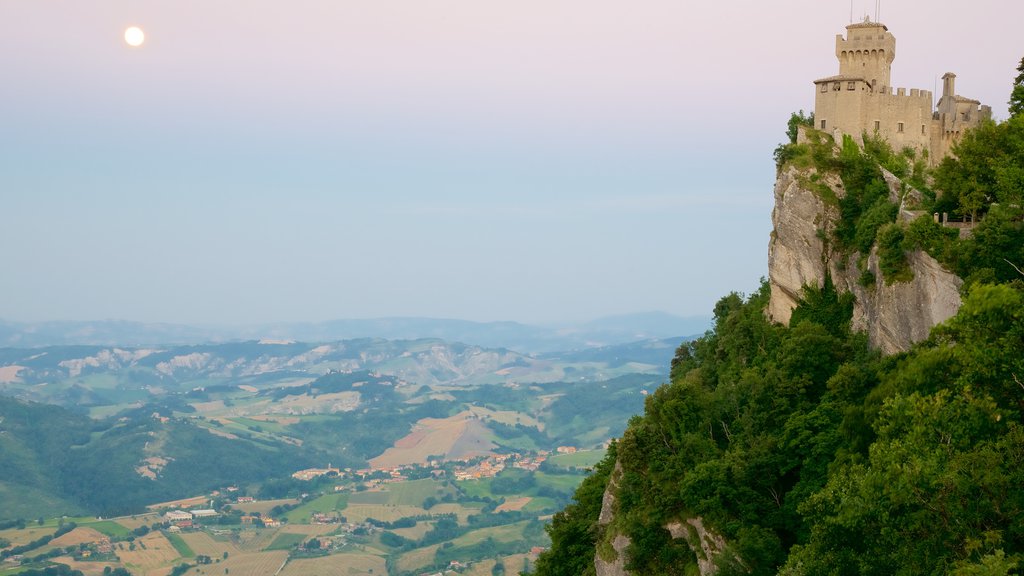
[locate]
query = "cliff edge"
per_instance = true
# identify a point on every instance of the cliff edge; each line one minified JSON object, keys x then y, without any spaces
{"x":895,"y":315}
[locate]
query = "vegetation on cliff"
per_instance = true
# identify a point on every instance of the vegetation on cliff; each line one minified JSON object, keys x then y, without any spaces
{"x":813,"y":454}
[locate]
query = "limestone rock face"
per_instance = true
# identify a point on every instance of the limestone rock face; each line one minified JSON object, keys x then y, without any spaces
{"x":619,"y":543}
{"x":796,"y":252}
{"x":615,"y":567}
{"x":898,"y":315}
{"x":705,"y":543}
{"x":895,"y":316}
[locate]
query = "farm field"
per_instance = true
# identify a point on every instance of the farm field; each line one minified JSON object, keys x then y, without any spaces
{"x":109,"y":527}
{"x":20,"y":537}
{"x":327,"y":503}
{"x":202,"y":543}
{"x":286,"y":541}
{"x":255,"y":540}
{"x":151,"y":551}
{"x":87,"y":568}
{"x":263,"y":506}
{"x":458,"y":436}
{"x":417,"y":558}
{"x":180,"y":545}
{"x":414,"y":532}
{"x":309,"y":529}
{"x":579,"y":459}
{"x":80,"y":535}
{"x":244,"y":564}
{"x":385,"y":512}
{"x":344,"y":564}
{"x":133,"y":522}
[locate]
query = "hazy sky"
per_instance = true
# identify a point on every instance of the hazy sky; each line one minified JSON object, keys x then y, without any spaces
{"x":535,"y":160}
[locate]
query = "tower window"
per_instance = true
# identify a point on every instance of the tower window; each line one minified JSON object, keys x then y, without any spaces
{"x":899,"y":127}
{"x":822,"y":124}
{"x":878,"y":125}
{"x":837,"y":87}
{"x":824,"y":87}
{"x":851,"y":86}
{"x":922,"y":128}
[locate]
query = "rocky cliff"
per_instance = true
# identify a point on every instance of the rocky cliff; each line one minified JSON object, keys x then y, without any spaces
{"x":895,"y":315}
{"x":612,"y":552}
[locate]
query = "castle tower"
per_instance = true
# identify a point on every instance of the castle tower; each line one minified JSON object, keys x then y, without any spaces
{"x":867,"y":52}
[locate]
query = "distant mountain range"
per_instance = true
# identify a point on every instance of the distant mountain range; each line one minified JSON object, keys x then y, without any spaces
{"x":525,"y":338}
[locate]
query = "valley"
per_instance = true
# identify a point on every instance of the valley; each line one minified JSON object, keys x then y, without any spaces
{"x":355,"y":457}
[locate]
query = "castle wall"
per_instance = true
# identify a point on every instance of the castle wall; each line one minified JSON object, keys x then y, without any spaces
{"x":902,"y":119}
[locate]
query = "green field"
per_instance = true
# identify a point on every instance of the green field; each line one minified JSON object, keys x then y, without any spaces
{"x":327,"y":503}
{"x":180,"y":545}
{"x":581,"y":459}
{"x":265,"y":425}
{"x":411,"y":493}
{"x":108,"y":527}
{"x":540,"y":503}
{"x":285,"y":541}
{"x":566,"y":483}
{"x":476,"y":488}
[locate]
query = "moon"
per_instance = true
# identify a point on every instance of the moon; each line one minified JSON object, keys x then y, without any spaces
{"x":134,"y":36}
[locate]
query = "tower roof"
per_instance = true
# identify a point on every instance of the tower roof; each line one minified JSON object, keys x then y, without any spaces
{"x":868,"y":25}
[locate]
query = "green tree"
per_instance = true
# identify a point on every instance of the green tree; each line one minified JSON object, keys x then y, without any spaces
{"x":797,"y":119}
{"x":1017,"y":94}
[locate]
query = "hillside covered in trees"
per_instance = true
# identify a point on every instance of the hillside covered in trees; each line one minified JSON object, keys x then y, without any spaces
{"x":809,"y":452}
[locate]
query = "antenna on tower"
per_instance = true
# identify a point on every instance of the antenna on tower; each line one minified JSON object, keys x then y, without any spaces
{"x":851,"y":11}
{"x":878,"y":10}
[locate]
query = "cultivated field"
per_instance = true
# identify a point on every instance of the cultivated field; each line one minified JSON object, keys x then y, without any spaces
{"x":345,"y":564}
{"x":417,"y":558}
{"x":133,"y":522}
{"x":255,"y":540}
{"x":416,"y":532}
{"x":286,"y":541}
{"x":456,"y":436}
{"x":263,"y":506}
{"x":110,"y":528}
{"x":203,"y":543}
{"x":151,"y":551}
{"x":327,"y":503}
{"x":580,"y":459}
{"x":509,"y":417}
{"x":513,"y":504}
{"x":87,"y":568}
{"x":411,"y":493}
{"x":385,"y":512}
{"x":244,"y":564}
{"x":308,"y":529}
{"x":25,"y":535}
{"x":80,"y":535}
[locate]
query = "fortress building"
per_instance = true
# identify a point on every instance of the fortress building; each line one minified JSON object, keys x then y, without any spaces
{"x":861,"y":99}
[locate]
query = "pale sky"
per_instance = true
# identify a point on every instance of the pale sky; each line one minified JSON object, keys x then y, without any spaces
{"x":537,"y":160}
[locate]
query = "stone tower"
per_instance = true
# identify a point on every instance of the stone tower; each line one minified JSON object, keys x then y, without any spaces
{"x":867,"y":52}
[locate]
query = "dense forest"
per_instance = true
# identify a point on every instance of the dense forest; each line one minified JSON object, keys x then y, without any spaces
{"x":810,"y":452}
